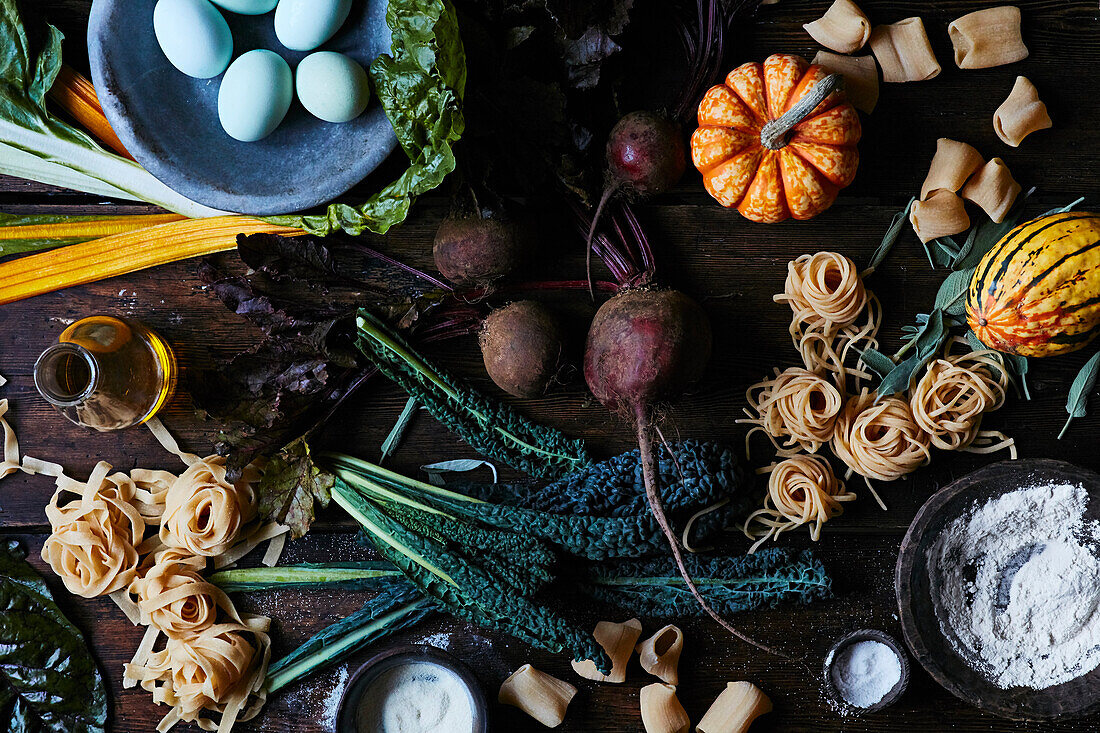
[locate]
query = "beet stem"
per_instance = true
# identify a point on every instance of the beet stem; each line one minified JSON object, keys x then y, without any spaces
{"x":649,"y":473}
{"x":608,"y":192}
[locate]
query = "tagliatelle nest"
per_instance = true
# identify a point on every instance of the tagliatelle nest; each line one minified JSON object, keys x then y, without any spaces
{"x":203,"y":512}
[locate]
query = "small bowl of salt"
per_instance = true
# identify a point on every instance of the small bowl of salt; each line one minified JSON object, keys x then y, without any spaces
{"x":413,"y":689}
{"x":866,"y":671}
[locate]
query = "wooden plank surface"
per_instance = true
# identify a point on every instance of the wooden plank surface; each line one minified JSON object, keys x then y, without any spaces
{"x":734,"y":267}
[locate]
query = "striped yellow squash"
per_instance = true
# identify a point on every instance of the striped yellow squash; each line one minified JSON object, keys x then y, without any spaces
{"x":1037,"y":292}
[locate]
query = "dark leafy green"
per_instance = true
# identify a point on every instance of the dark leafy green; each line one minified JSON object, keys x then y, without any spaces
{"x":490,"y":427}
{"x":1084,"y":384}
{"x":48,"y":679}
{"x":654,"y":587}
{"x":420,"y":85}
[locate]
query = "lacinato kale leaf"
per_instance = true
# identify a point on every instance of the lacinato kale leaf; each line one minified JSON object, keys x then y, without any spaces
{"x":48,"y":678}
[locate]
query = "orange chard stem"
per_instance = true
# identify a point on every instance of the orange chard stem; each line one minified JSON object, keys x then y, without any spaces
{"x":74,"y":93}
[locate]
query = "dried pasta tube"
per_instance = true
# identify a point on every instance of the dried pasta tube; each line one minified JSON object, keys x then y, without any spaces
{"x":618,"y":641}
{"x":735,"y":709}
{"x":660,"y":654}
{"x":941,"y":215}
{"x":1021,"y":114}
{"x":860,"y":77}
{"x":994,"y":189}
{"x":986,"y":38}
{"x":661,"y":710}
{"x":544,"y":697}
{"x":844,"y":27}
{"x":903,"y":51}
{"x":953,"y":163}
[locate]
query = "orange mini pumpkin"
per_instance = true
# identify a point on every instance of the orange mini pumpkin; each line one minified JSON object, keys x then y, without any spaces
{"x":777,"y":140}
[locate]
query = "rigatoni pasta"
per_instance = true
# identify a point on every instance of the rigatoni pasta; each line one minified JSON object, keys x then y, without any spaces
{"x":660,"y":654}
{"x":1021,"y":114}
{"x":904,"y":52}
{"x":993,"y":188}
{"x":544,"y":697}
{"x":735,"y":708}
{"x":860,"y":77}
{"x":986,"y":38}
{"x":661,"y":710}
{"x":953,"y":163}
{"x":940,"y":215}
{"x":844,"y":27}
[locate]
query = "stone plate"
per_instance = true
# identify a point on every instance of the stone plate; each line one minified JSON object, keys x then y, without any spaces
{"x":169,"y":121}
{"x":920,"y":626}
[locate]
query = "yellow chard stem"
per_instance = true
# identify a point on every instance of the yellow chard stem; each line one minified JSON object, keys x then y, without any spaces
{"x":74,"y":93}
{"x":85,"y":230}
{"x":130,"y":251}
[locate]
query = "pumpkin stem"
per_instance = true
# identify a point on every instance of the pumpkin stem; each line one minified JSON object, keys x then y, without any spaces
{"x":774,"y":134}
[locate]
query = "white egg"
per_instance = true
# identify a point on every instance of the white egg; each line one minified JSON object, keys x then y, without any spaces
{"x":332,"y":86}
{"x":194,"y":36}
{"x":255,"y":95}
{"x":303,"y":25}
{"x":248,"y":7}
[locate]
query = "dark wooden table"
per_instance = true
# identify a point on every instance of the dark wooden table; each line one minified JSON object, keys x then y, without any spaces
{"x":734,"y":266}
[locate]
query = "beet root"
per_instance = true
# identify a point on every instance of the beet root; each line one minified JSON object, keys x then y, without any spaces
{"x":523,"y":346}
{"x":646,"y":346}
{"x":477,"y":250}
{"x":646,"y":154}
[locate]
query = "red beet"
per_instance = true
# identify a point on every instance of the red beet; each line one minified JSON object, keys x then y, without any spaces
{"x":646,"y":156}
{"x":478,"y":249}
{"x":523,"y":346}
{"x":645,"y":347}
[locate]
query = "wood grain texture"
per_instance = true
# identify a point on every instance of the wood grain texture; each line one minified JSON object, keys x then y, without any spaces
{"x":734,"y":267}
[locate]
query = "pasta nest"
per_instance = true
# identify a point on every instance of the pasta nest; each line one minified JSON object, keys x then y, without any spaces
{"x":173,"y":597}
{"x":801,"y":490}
{"x":797,"y":406}
{"x":880,"y":440}
{"x":203,"y":512}
{"x":949,"y":400}
{"x":824,"y":289}
{"x":92,"y":547}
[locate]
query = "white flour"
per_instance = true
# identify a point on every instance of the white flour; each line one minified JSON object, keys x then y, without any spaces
{"x":1015,"y":585}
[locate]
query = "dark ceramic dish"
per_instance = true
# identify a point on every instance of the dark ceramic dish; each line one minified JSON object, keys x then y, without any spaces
{"x":376,"y":665}
{"x":853,"y":638}
{"x":169,"y":121}
{"x":918,"y":617}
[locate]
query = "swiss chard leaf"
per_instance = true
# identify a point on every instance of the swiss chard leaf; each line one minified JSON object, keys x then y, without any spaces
{"x":420,"y":85}
{"x":48,"y":678}
{"x":1079,"y":392}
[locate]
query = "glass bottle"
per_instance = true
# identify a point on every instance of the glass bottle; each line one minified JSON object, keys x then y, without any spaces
{"x":107,"y":373}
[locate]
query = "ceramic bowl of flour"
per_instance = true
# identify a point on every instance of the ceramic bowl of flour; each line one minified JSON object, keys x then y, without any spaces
{"x":998,"y":586}
{"x":413,"y":688}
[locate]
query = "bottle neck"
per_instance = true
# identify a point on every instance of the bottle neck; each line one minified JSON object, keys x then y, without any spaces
{"x":66,"y":374}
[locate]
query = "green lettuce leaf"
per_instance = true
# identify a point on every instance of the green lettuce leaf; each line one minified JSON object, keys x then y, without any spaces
{"x":48,"y":679}
{"x":420,"y":87}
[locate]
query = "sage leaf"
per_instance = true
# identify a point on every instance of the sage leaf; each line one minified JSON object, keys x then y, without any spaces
{"x":951,"y":297}
{"x":945,"y":251}
{"x":877,"y":362}
{"x":966,"y":249}
{"x":1079,"y":392}
{"x":1063,"y":209}
{"x":890,"y":238}
{"x":436,"y":471}
{"x":900,"y":377}
{"x":925,"y":346}
{"x":990,"y":232}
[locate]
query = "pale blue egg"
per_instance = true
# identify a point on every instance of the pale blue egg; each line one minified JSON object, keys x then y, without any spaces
{"x":332,"y":86}
{"x":248,"y":7}
{"x":303,"y":25}
{"x":255,"y":95}
{"x":194,"y":36}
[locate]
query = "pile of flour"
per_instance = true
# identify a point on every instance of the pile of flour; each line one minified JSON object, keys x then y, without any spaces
{"x":1015,"y":585}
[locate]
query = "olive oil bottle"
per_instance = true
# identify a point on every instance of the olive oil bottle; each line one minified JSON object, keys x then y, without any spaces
{"x":107,"y":373}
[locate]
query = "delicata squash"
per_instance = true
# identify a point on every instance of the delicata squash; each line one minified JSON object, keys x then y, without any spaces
{"x":1037,"y":292}
{"x":776,"y":140}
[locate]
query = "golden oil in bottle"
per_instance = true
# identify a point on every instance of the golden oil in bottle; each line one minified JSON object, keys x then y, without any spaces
{"x":107,"y":373}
